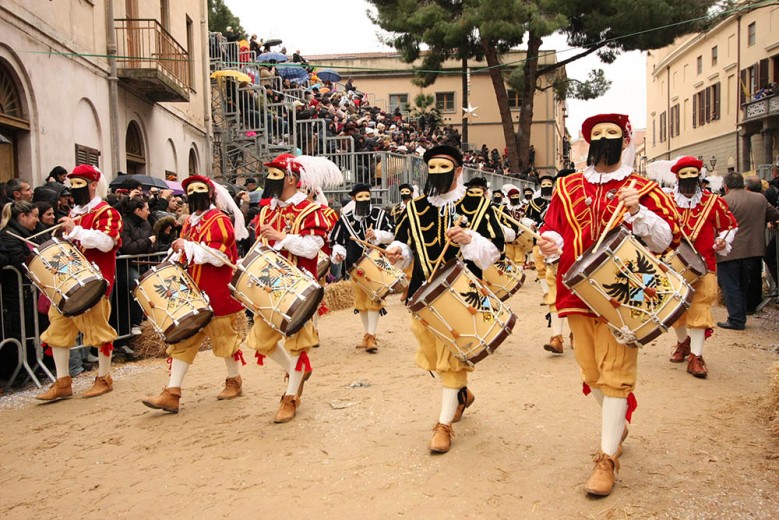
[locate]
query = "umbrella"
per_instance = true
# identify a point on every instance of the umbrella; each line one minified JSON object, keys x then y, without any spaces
{"x":328,"y":75}
{"x":145,"y":180}
{"x":271,"y":43}
{"x":232,"y":189}
{"x":266,"y":57}
{"x":176,"y":187}
{"x":238,"y":75}
{"x":293,"y":73}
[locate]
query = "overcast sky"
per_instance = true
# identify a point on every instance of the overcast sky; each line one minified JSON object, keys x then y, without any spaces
{"x":315,"y":27}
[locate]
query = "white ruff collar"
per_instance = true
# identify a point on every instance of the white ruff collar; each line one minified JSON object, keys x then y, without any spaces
{"x":294,"y":200}
{"x":80,"y":210}
{"x":602,"y":178}
{"x":448,"y":198}
{"x":194,"y":218}
{"x":687,"y":202}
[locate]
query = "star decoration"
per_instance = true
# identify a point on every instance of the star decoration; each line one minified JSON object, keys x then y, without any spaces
{"x":470,"y":112}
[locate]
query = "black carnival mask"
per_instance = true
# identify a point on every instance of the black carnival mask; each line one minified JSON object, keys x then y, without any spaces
{"x":607,"y":150}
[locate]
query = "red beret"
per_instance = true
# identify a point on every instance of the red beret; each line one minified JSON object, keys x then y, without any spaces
{"x":197,"y":178}
{"x":620,"y":120}
{"x":285,"y":161}
{"x":85,"y":171}
{"x":512,"y":192}
{"x":687,"y":162}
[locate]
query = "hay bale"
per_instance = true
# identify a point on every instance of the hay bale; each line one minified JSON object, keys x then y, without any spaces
{"x":339,"y":296}
{"x":773,"y":401}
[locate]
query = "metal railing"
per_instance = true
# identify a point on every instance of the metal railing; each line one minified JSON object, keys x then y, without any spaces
{"x":143,"y":43}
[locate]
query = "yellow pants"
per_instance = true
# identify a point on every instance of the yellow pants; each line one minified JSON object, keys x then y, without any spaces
{"x":516,"y":253}
{"x":362,"y":301}
{"x":540,"y":261}
{"x":221,"y":330}
{"x":699,"y":316}
{"x":434,"y":355}
{"x":550,"y":275}
{"x":93,"y":324}
{"x":263,"y":338}
{"x":603,"y":362}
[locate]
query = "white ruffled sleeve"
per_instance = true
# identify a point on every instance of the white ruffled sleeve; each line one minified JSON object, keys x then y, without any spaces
{"x":481,"y":251}
{"x":408,"y":254}
{"x":307,"y":246}
{"x":509,"y":234}
{"x":558,"y":239}
{"x":92,"y":239}
{"x":201,"y":254}
{"x":653,"y":230}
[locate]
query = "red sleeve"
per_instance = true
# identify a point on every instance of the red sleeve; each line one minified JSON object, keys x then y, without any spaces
{"x":109,"y":222}
{"x":221,"y":236}
{"x":723,"y":217}
{"x":315,"y":223}
{"x":659,"y":203}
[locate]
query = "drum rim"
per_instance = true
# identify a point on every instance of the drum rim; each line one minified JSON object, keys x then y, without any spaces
{"x":315,"y":291}
{"x":195,"y":331}
{"x":414,"y":305}
{"x":669,"y":321}
{"x":497,"y":340}
{"x":580,"y":269}
{"x":90,"y":303}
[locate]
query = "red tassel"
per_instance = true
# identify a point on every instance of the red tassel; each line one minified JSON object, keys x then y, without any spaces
{"x":709,"y":333}
{"x":238,"y":356}
{"x":303,"y":362}
{"x":322,"y":309}
{"x":586,"y":390}
{"x":106,"y":349}
{"x":632,"y":405}
{"x":169,"y":361}
{"x":260,"y":358}
{"x":47,"y":349}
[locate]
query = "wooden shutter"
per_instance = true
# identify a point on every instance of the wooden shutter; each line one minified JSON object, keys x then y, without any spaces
{"x":87,"y":155}
{"x":715,"y":101}
{"x":695,"y":110}
{"x":762,"y":74}
{"x":707,"y":111}
{"x":743,"y":87}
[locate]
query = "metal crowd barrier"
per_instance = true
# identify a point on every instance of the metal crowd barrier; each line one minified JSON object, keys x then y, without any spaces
{"x":772,"y":255}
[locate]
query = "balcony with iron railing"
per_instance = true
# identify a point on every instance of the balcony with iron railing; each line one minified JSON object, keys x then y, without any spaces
{"x":150,"y":61}
{"x":759,"y":109}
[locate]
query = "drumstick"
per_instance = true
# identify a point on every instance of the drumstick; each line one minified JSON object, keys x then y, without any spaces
{"x":368,"y":244}
{"x":443,"y":252}
{"x":23,"y":239}
{"x":272,"y":221}
{"x":208,"y":249}
{"x":521,"y":225}
{"x":52,"y":228}
{"x":613,"y":218}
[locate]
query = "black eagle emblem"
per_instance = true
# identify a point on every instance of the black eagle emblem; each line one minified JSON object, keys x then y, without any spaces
{"x":636,"y":283}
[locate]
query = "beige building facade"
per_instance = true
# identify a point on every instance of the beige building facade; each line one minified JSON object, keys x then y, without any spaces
{"x":120,"y":84}
{"x":706,"y":94}
{"x":388,"y":81}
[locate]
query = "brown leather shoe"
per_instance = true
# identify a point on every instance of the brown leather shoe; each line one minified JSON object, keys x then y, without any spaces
{"x":287,"y":409}
{"x":168,"y":400}
{"x":364,"y":342}
{"x":102,"y":385}
{"x":601,"y":482}
{"x":370,"y":344}
{"x":681,"y":352}
{"x":697,"y":366}
{"x":465,"y":399}
{"x":442,"y":438}
{"x":232,"y":388}
{"x":62,"y":388}
{"x":555,"y":345}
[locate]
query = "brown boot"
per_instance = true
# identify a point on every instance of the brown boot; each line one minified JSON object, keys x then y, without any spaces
{"x":232,"y":388}
{"x":601,"y":482}
{"x":168,"y":400}
{"x":287,"y":409}
{"x":364,"y":342}
{"x":62,"y":388}
{"x":465,"y":399}
{"x":697,"y":366}
{"x":370,"y":344}
{"x":681,"y":352}
{"x":555,"y":345}
{"x":442,"y":438}
{"x":102,"y":385}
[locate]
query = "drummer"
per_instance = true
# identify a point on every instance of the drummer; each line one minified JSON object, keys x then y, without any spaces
{"x":96,"y":228}
{"x":369,"y":223}
{"x":297,"y":228}
{"x":515,"y":209}
{"x":207,"y":246}
{"x":711,"y":227}
{"x":580,"y":209}
{"x":427,"y":224}
{"x":406,"y":192}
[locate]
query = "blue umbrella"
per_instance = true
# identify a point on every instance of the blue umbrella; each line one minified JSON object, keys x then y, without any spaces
{"x":328,"y":75}
{"x":266,"y":57}
{"x":292,"y":73}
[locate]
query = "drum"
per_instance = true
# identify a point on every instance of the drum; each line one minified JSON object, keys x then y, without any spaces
{"x":60,"y":271}
{"x":174,"y":304}
{"x":322,"y":265}
{"x":524,"y":241}
{"x":280,"y":293}
{"x":686,"y":261}
{"x":503,"y":278}
{"x":624,"y":283}
{"x":377,"y":277}
{"x":462,"y":312}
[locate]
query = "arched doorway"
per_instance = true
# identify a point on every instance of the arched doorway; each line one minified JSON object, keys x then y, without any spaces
{"x":13,"y":123}
{"x":135,"y":151}
{"x":192,"y":166}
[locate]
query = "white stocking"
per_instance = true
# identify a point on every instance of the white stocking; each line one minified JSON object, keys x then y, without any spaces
{"x":61,"y":359}
{"x":103,"y":363}
{"x":232,"y":366}
{"x":280,"y":356}
{"x":557,"y":324}
{"x":544,"y":285}
{"x":373,"y":322}
{"x":448,"y":405}
{"x":612,"y":423}
{"x":681,"y":333}
{"x":597,"y":393}
{"x":178,"y":369}
{"x":697,"y":337}
{"x":295,"y":377}
{"x":365,"y":322}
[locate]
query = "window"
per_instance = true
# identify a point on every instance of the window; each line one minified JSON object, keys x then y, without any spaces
{"x":398,"y":100}
{"x":514,"y":102}
{"x":706,"y":105}
{"x":751,"y":34}
{"x":663,"y":127}
{"x":675,"y":120}
{"x":654,"y":132}
{"x":699,"y":109}
{"x":444,"y":101}
{"x":714,"y":56}
{"x":190,"y":54}
{"x":716,"y":90}
{"x":699,"y":64}
{"x":87,"y":155}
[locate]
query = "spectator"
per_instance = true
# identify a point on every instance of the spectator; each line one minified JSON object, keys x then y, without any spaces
{"x":255,"y":46}
{"x":46,"y":219}
{"x":739,"y":273}
{"x":17,"y":190}
{"x":250,"y":184}
{"x":137,"y":239}
{"x":64,"y":204}
{"x":57,"y":174}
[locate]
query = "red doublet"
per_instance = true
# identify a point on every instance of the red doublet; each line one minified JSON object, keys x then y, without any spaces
{"x":304,"y":218}
{"x":106,"y":219}
{"x":579,"y":212}
{"x":214,"y":230}
{"x":704,"y":222}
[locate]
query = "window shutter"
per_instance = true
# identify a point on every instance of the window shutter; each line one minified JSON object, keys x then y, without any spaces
{"x":87,"y":155}
{"x":742,"y":94}
{"x":715,"y":94}
{"x":695,"y":110}
{"x":763,"y":74}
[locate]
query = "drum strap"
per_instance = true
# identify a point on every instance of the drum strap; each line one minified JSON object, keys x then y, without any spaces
{"x":702,"y":219}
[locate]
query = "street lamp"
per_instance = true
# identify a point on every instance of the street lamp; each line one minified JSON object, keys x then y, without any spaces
{"x":712,"y":162}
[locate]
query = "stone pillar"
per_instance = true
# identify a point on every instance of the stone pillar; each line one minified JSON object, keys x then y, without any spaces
{"x":768,"y":145}
{"x":746,"y":147}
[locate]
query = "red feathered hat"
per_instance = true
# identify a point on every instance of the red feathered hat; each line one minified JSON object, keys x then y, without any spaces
{"x":512,"y":192}
{"x":620,"y":120}
{"x":286,"y":162}
{"x":687,"y":162}
{"x":197,"y":178}
{"x":85,"y":171}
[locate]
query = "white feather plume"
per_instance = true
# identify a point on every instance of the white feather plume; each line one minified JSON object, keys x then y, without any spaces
{"x":225,"y":202}
{"x":318,"y":172}
{"x":102,"y":185}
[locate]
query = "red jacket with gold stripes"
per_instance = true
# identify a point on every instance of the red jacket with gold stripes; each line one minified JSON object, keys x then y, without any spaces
{"x":106,"y":219}
{"x":704,"y":222}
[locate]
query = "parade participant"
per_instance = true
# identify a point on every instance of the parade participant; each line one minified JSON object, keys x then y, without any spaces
{"x":368,"y":223}
{"x":420,"y":237}
{"x":581,"y":207}
{"x":707,"y":221}
{"x":96,"y":228}
{"x":497,"y":197}
{"x":527,"y":197}
{"x":515,"y":209}
{"x":206,"y":244}
{"x":406,"y":195}
{"x":296,"y":228}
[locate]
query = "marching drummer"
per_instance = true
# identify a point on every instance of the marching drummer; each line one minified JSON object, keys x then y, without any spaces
{"x":368,"y":223}
{"x":96,"y":228}
{"x":580,"y":210}
{"x":406,"y":192}
{"x":515,"y":209}
{"x":207,"y":247}
{"x":295,"y":227}
{"x":711,"y":227}
{"x":420,"y":237}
